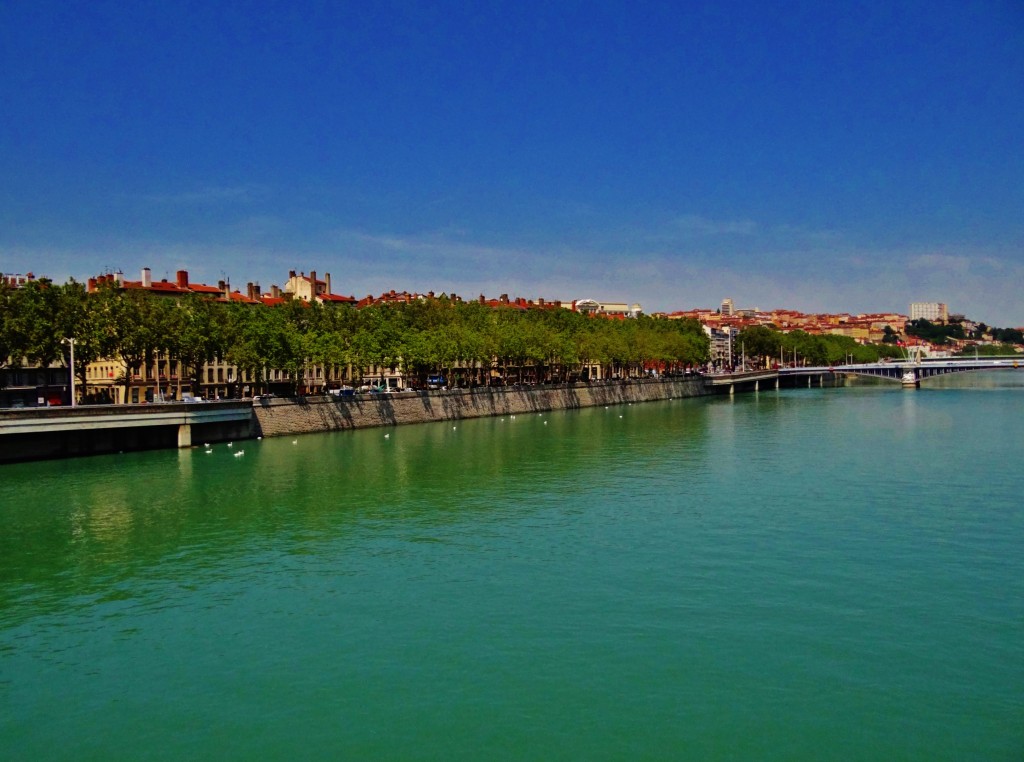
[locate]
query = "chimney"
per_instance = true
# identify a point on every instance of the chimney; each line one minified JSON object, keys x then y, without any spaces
{"x":227,"y":290}
{"x":312,"y":284}
{"x":182,"y":278}
{"x":503,"y":298}
{"x":540,"y":301}
{"x":147,"y":278}
{"x":249,"y":290}
{"x":119,"y":279}
{"x":92,"y":285}
{"x":482,"y":300}
{"x":275,"y":292}
{"x":327,"y":283}
{"x":291,"y":274}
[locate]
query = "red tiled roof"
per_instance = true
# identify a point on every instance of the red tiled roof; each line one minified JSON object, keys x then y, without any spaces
{"x":200,"y":288}
{"x":337,"y":298}
{"x":167,"y":287}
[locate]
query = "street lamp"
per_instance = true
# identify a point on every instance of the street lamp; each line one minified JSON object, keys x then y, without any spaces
{"x":71,"y":342}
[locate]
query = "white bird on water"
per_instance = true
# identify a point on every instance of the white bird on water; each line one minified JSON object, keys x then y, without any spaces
{"x":231,"y":444}
{"x":295,"y":441}
{"x":387,"y":436}
{"x":240,"y":453}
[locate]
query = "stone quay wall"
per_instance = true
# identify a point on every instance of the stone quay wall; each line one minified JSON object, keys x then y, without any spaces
{"x":281,"y":417}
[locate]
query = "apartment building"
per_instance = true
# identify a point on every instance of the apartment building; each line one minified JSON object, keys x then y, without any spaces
{"x":934,"y":312}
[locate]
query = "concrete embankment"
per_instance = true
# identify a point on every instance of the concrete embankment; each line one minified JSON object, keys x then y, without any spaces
{"x":280,"y":417}
{"x":43,"y":433}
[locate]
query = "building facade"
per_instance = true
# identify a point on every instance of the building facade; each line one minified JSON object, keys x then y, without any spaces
{"x":935,"y":312}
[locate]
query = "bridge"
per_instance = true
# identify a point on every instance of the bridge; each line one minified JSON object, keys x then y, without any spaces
{"x":751,"y":380}
{"x":921,"y":369}
{"x":897,"y":371}
{"x":36,"y":433}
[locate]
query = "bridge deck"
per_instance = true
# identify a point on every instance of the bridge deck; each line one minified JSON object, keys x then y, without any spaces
{"x":86,"y":417}
{"x":922,"y":370}
{"x":728,"y":379}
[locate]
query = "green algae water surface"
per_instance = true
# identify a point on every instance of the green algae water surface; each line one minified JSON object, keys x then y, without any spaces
{"x":808,"y":574}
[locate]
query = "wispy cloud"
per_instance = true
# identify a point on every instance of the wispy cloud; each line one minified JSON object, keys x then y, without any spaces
{"x":961,"y":264}
{"x":210,"y":195}
{"x":695,"y":224}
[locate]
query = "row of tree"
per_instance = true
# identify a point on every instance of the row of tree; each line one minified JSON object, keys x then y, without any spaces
{"x":766,"y":346}
{"x":943,"y":333}
{"x":423,"y":337}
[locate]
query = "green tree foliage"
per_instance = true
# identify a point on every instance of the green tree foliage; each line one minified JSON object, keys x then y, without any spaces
{"x":764,"y":346}
{"x":78,"y":318}
{"x":34,"y":323}
{"x":988,"y":350}
{"x":136,"y":326}
{"x":198,"y":332}
{"x":8,"y":342}
{"x":935,"y":333}
{"x":251,"y":340}
{"x":760,"y":341}
{"x":1008,"y":335}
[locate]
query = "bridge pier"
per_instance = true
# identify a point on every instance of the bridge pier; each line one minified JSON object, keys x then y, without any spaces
{"x":184,"y":435}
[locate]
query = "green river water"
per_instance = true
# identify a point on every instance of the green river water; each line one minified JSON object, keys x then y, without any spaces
{"x":798,"y":575}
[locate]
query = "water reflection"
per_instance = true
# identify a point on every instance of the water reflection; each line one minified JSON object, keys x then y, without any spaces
{"x":79,"y":527}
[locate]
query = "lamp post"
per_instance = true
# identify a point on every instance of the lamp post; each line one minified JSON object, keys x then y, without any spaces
{"x":71,"y":343}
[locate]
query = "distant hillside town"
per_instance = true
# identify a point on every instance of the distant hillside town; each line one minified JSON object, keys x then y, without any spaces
{"x":151,"y":340}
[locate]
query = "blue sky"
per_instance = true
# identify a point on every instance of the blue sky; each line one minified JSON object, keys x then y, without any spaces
{"x":819,"y":156}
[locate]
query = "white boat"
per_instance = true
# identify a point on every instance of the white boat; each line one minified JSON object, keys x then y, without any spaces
{"x":910,"y":380}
